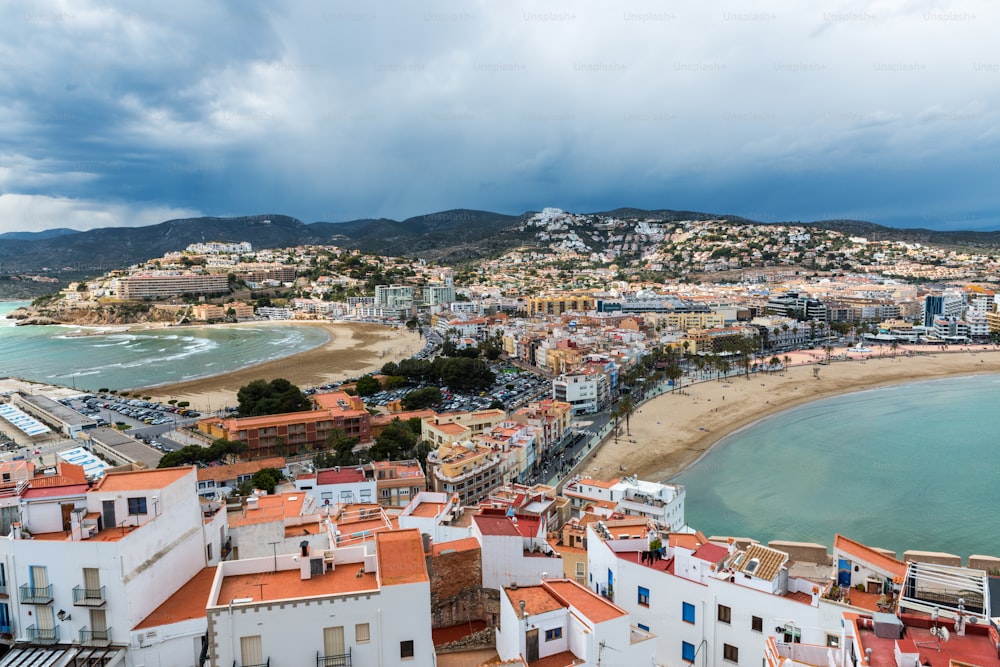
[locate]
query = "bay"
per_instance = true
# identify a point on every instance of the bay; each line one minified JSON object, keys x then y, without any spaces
{"x":125,"y":360}
{"x":912,"y":466}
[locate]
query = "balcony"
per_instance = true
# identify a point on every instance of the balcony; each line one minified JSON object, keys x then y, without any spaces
{"x":342,"y":660}
{"x":36,"y":595}
{"x":95,"y":637}
{"x":3,"y":590}
{"x":89,"y":597}
{"x":42,"y":635}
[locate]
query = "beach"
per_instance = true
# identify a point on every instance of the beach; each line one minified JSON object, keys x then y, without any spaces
{"x":674,"y":430}
{"x":354,"y":349}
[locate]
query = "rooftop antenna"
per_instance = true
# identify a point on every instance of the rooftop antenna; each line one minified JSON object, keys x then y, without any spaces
{"x":939,"y":632}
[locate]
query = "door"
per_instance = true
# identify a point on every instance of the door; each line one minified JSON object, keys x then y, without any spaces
{"x":333,"y":641}
{"x":99,"y":625}
{"x":39,"y":576}
{"x":92,"y":583}
{"x":844,"y":573}
{"x":251,"y":651}
{"x":531,"y":645}
{"x":109,"y":514}
{"x":67,"y":513}
{"x":46,"y":623}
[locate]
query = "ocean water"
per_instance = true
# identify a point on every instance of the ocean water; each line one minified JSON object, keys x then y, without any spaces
{"x":914,"y":466}
{"x":55,"y":355}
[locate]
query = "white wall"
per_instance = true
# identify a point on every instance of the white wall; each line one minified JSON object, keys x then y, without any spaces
{"x":292,"y":632}
{"x":173,"y":645}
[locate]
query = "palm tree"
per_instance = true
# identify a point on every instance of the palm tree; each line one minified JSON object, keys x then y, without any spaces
{"x":627,"y":408}
{"x":894,"y":346}
{"x":774,"y":363}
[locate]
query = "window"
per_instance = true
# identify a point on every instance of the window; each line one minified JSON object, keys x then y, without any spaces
{"x":687,"y":612}
{"x":553,"y":634}
{"x":581,"y":568}
{"x":725,"y":614}
{"x":730,"y":653}
{"x":136,"y":505}
{"x":385,"y":493}
{"x":644,"y":628}
{"x":643,"y":596}
{"x":362,"y":633}
{"x":406,"y":649}
{"x":208,"y":549}
{"x":757,"y":624}
{"x":687,"y":652}
{"x":833,"y":641}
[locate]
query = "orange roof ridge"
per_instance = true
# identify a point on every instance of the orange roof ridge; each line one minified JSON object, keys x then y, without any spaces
{"x":892,"y":565}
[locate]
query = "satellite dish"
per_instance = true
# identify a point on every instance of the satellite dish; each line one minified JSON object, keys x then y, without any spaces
{"x":941,"y":633}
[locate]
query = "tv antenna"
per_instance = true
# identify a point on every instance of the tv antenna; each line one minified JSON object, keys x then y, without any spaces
{"x":939,"y":632}
{"x":600,"y":649}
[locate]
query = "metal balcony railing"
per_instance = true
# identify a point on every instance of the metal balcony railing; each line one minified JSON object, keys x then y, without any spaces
{"x":35,"y":594}
{"x":342,"y":660}
{"x":95,"y":637}
{"x":43,"y":635}
{"x":236,"y":663}
{"x":88,"y":597}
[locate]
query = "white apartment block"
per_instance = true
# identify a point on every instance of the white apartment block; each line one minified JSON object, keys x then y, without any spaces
{"x":706,"y":603}
{"x":393,"y":296}
{"x":631,"y":497}
{"x":583,"y":392}
{"x":87,"y":565}
{"x":515,"y":551}
{"x":365,"y":604}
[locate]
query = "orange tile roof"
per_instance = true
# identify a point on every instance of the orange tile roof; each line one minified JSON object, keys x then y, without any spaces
{"x":289,"y":584}
{"x":451,"y":428}
{"x":140,"y":480}
{"x":427,"y":510}
{"x":586,"y":601}
{"x":599,"y":483}
{"x":188,"y":602}
{"x":686,"y":540}
{"x":269,"y":508}
{"x":464,"y":544}
{"x":235,"y":470}
{"x":769,"y":561}
{"x":329,"y":400}
{"x":400,"y":557}
{"x":878,"y":559}
{"x":537,"y":600}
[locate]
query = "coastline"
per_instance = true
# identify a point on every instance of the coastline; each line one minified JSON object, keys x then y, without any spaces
{"x":676,"y":430}
{"x":353,"y":349}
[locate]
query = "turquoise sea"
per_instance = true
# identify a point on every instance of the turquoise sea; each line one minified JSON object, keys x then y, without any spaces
{"x":55,"y":355}
{"x":914,"y":466}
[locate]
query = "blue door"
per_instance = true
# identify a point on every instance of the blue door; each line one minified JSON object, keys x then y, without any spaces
{"x":844,"y":573}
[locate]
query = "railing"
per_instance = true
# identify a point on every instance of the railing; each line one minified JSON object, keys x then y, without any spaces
{"x":95,"y":637}
{"x":6,"y":629}
{"x":236,"y":663}
{"x":88,"y":597}
{"x":36,"y":595}
{"x":43,"y":635}
{"x":3,"y":589}
{"x":342,"y":660}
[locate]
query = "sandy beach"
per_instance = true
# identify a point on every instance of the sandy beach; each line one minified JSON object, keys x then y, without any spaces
{"x":354,"y":348}
{"x":674,"y":430}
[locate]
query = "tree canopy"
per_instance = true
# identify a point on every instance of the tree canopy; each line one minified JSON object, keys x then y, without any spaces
{"x":220,"y":450}
{"x":271,"y":398}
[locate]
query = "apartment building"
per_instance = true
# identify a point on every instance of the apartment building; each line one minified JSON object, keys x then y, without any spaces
{"x":77,"y":565}
{"x":630,"y":497}
{"x":706,"y":603}
{"x":515,"y":551}
{"x":468,"y":470}
{"x":363,"y":604}
{"x":393,"y":296}
{"x":585,"y":392}
{"x":451,"y":427}
{"x":557,"y":304}
{"x":341,"y":484}
{"x":163,"y":285}
{"x":280,"y":434}
{"x":397,"y":483}
{"x":277,"y":523}
{"x":549,"y":418}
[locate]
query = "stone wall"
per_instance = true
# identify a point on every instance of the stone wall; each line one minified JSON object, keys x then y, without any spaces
{"x":457,"y":593}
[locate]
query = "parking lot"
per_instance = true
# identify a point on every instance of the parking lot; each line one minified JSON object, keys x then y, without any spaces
{"x":144,"y":420}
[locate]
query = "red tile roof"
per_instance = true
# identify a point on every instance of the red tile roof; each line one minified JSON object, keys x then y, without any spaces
{"x":713,"y":553}
{"x":464,"y":544}
{"x":584,"y":600}
{"x":496,"y":525}
{"x":55,"y":491}
{"x":141,"y":480}
{"x":342,"y":476}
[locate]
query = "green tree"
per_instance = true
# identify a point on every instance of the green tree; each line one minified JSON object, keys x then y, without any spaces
{"x":270,"y":398}
{"x":266,"y":479}
{"x":396,"y":441}
{"x":422,"y":398}
{"x":368,"y":385}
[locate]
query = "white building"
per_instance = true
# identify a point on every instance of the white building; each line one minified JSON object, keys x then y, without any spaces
{"x":561,"y":618}
{"x":515,"y":551}
{"x":87,"y":565}
{"x":662,"y":503}
{"x":582,"y":391}
{"x":706,"y":603}
{"x":329,"y":486}
{"x":367,"y":604}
